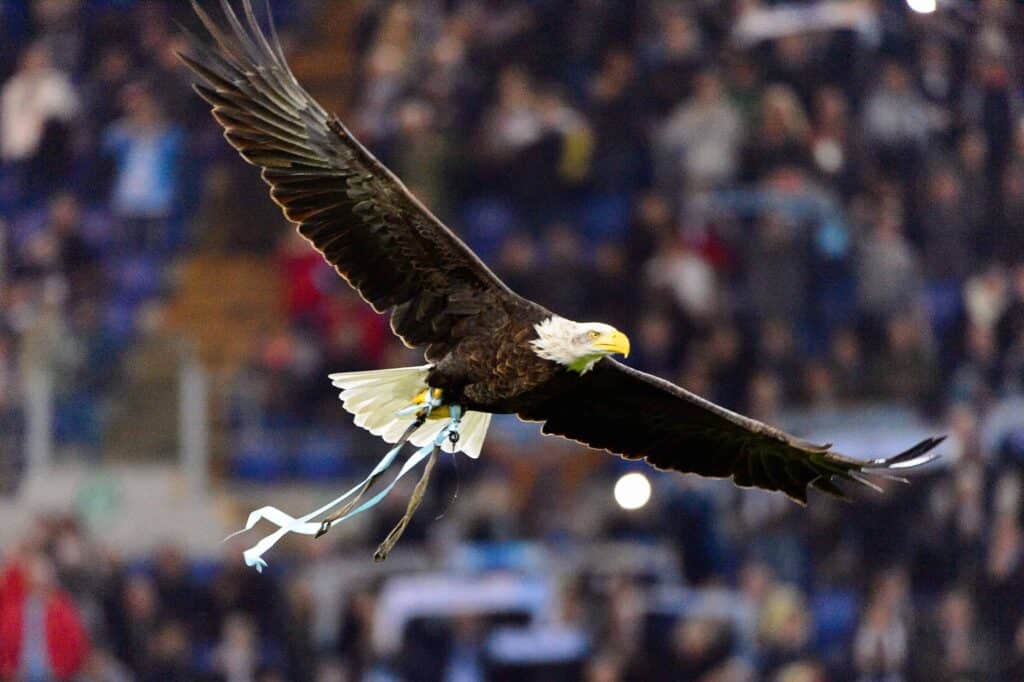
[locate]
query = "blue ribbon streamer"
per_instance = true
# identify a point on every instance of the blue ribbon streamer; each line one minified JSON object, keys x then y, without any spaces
{"x":304,"y":525}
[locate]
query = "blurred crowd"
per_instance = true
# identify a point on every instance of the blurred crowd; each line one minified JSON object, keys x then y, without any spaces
{"x":815,"y":206}
{"x":909,"y":587}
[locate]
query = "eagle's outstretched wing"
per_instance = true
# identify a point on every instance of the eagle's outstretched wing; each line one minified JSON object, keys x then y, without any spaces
{"x":361,"y":217}
{"x":639,"y":416}
{"x":401,"y":258}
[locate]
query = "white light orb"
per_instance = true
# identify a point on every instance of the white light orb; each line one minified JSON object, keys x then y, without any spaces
{"x":922,"y":6}
{"x":632,"y":491}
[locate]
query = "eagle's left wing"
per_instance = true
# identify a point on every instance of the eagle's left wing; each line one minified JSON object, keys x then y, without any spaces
{"x":639,"y":416}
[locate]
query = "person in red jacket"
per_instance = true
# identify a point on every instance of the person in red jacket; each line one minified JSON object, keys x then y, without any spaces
{"x":41,"y":631}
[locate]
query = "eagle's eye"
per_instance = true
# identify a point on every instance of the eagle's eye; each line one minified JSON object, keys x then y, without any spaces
{"x":593,"y":335}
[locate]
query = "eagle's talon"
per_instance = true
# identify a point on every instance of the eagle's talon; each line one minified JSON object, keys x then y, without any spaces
{"x":324,"y":527}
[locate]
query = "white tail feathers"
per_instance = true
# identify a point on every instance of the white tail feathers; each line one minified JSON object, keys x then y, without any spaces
{"x":376,"y":396}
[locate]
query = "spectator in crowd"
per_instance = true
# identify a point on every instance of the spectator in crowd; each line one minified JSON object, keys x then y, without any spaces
{"x":949,"y":235}
{"x":36,"y":106}
{"x":896,"y":120}
{"x":781,"y":138}
{"x":776,"y":271}
{"x":1008,"y":231}
{"x":835,"y":148}
{"x":235,"y":656}
{"x":422,"y":155}
{"x":675,"y":54}
{"x":956,"y":647}
{"x":701,"y":140}
{"x":1004,"y":574}
{"x":42,"y":636}
{"x":616,"y":116}
{"x":682,"y":274}
{"x":888,"y":270}
{"x":146,"y":149}
{"x":906,"y":366}
{"x":881,"y":648}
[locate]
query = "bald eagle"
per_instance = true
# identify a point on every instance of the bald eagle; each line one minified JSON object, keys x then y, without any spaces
{"x":487,"y":349}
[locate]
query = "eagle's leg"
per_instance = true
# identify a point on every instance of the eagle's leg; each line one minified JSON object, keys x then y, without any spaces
{"x":325,"y":525}
{"x":421,"y":486}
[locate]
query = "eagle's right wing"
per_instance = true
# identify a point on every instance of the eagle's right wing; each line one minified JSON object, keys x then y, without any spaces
{"x":361,"y":217}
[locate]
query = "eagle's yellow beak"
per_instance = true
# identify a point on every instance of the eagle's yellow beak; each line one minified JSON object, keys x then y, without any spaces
{"x":614,"y":342}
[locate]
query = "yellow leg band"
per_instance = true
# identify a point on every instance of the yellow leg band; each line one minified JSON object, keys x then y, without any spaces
{"x":439,"y":412}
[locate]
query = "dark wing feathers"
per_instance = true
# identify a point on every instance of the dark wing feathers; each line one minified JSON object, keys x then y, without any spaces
{"x":638,"y":416}
{"x":361,"y":217}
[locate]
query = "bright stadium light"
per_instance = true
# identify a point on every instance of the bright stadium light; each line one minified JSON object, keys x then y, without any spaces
{"x":922,"y":6}
{"x":632,"y":491}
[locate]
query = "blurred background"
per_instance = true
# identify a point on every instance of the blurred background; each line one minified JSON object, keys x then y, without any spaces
{"x":812,"y":212}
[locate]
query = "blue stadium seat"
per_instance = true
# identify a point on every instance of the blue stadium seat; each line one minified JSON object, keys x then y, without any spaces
{"x":137,"y":277}
{"x":203,"y":571}
{"x":605,"y":217}
{"x":259,"y":457}
{"x":75,"y":419}
{"x":321,"y":456}
{"x":486,"y":222}
{"x":834,"y":614}
{"x":119,"y":319}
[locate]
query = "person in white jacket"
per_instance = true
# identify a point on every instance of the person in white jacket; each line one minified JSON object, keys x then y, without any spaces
{"x":35,"y":95}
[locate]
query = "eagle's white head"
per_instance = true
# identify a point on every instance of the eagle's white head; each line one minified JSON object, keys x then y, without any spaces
{"x":577,"y":345}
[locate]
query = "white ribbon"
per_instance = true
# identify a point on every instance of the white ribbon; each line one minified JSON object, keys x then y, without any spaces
{"x":303,"y":525}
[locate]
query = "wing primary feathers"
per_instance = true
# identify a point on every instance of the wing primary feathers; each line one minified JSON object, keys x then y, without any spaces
{"x":275,"y":41}
{"x":211,"y":27}
{"x":888,"y":477}
{"x":257,"y":52}
{"x":863,"y":480}
{"x":916,"y":456}
{"x":242,"y":35}
{"x":209,"y":65}
{"x":825,"y":485}
{"x":254,"y":29}
{"x":862,"y":472}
